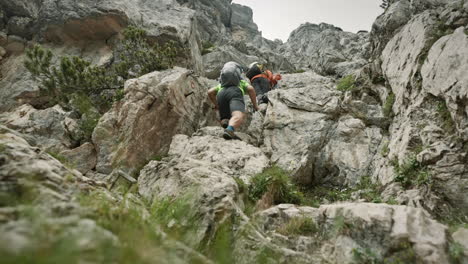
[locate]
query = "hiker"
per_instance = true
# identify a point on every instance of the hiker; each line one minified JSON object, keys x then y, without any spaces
{"x":228,"y":98}
{"x":262,"y":80}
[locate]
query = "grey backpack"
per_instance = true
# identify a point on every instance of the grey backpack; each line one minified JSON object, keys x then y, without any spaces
{"x":231,"y":74}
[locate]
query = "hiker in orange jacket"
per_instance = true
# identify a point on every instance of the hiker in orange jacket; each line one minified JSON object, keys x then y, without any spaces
{"x":262,"y":80}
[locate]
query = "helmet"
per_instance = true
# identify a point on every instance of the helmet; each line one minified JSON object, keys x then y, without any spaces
{"x":254,"y":69}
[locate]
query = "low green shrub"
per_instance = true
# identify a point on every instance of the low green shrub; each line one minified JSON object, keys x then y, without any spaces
{"x":411,"y":173}
{"x":301,"y":225}
{"x":276,"y":184}
{"x":388,"y":105}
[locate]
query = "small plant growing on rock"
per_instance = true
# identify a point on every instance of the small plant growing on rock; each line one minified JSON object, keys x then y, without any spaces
{"x":444,"y":114}
{"x":365,"y":256}
{"x":411,"y":173}
{"x":274,"y":186}
{"x":299,"y":225}
{"x":456,"y":252}
{"x":137,"y":56}
{"x":347,"y":83}
{"x":388,"y":105}
{"x":76,"y":84}
{"x":207,"y":47}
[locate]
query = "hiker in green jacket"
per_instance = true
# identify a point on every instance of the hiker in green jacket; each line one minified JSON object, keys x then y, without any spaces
{"x":228,"y":98}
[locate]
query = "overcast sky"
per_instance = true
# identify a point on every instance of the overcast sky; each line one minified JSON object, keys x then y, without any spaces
{"x":277,"y":18}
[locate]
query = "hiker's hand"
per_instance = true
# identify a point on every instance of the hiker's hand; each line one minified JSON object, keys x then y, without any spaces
{"x":256,"y":108}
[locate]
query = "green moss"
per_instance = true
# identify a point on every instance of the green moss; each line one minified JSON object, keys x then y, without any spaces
{"x":347,"y":83}
{"x":301,"y":225}
{"x":388,"y":105}
{"x":411,"y":173}
{"x":275,"y":183}
{"x":300,"y":71}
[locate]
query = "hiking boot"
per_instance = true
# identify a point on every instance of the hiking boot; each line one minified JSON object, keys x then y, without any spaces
{"x":225,"y":123}
{"x":228,"y":135}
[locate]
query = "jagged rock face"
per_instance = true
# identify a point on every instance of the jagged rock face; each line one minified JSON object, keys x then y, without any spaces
{"x":156,"y":107}
{"x":382,"y":231}
{"x":52,"y":128}
{"x":28,"y":173}
{"x":204,"y":167}
{"x":326,"y":49}
{"x":422,"y":66}
{"x":443,"y":75}
{"x":330,"y":143}
{"x":230,"y":28}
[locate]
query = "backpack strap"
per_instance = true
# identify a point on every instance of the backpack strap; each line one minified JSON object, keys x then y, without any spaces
{"x":273,"y":79}
{"x":259,"y":76}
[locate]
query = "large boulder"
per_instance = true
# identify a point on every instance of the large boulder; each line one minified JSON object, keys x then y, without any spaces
{"x":401,"y":57}
{"x":203,"y":169}
{"x":444,"y":75}
{"x":156,"y":107}
{"x":51,"y":128}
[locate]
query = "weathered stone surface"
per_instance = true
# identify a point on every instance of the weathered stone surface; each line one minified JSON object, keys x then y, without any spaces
{"x":444,"y":75}
{"x":382,"y":230}
{"x":51,"y":128}
{"x":83,"y":158}
{"x":396,"y":16}
{"x":213,"y":62}
{"x":329,"y":144}
{"x":323,"y":47}
{"x":204,"y":167}
{"x":400,"y":58}
{"x":156,"y":107}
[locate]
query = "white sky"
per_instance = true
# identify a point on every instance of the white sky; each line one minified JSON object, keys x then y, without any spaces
{"x":278,"y":18}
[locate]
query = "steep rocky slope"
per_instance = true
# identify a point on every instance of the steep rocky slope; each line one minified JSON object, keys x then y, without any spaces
{"x":369,"y":168}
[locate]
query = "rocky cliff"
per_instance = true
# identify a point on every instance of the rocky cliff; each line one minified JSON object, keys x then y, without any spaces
{"x":360,"y":157}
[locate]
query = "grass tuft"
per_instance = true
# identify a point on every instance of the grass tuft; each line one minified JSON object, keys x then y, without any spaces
{"x":347,"y":83}
{"x":274,"y":186}
{"x":302,"y":225}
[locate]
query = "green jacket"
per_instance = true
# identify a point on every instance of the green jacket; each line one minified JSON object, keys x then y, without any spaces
{"x":242,"y":86}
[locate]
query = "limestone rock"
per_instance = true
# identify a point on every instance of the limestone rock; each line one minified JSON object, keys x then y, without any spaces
{"x":156,"y":107}
{"x":204,"y":167}
{"x":444,"y":75}
{"x":51,"y":128}
{"x":83,"y":158}
{"x":400,"y":57}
